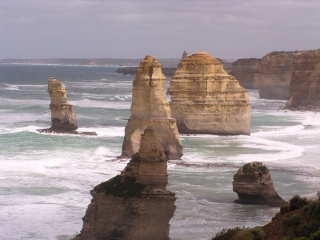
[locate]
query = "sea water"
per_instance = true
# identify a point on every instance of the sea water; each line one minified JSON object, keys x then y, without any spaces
{"x":45,"y":179}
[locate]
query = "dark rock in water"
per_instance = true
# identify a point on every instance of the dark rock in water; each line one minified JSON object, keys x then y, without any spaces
{"x":253,"y":185}
{"x":134,"y":204}
{"x":63,"y":117}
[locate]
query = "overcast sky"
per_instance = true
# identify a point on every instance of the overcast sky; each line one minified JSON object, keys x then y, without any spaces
{"x":228,"y":29}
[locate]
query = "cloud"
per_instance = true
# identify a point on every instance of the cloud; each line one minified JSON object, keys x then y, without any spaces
{"x":133,"y":28}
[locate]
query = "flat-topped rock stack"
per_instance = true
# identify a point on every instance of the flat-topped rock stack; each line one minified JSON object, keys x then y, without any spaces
{"x":305,"y":82}
{"x":134,"y":204}
{"x":150,"y":107}
{"x":253,"y":185}
{"x":207,"y":100}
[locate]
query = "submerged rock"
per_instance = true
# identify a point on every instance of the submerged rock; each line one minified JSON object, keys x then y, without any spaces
{"x":150,"y":107}
{"x":207,"y":100}
{"x":134,"y":204}
{"x":253,"y":185}
{"x":305,"y":82}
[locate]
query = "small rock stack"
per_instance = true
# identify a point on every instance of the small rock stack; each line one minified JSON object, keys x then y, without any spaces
{"x":253,"y":185}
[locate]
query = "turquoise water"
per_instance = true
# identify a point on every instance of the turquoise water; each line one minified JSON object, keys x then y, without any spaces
{"x":46,"y":178}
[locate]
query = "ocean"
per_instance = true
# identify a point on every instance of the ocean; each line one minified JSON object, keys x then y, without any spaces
{"x":46,"y":178}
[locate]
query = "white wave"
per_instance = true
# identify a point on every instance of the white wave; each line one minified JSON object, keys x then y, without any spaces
{"x":121,"y":98}
{"x":105,"y":132}
{"x":11,"y":117}
{"x":86,"y":103}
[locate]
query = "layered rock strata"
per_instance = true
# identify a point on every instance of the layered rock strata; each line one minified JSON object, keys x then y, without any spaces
{"x":305,"y":81}
{"x":207,"y":100}
{"x":134,"y":204}
{"x":150,"y":107}
{"x":253,"y":185}
{"x":275,"y":76}
{"x":247,"y":72}
{"x":63,"y":117}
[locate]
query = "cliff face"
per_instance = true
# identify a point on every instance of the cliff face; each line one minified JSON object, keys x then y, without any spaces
{"x":62,"y":114}
{"x":207,"y":100}
{"x":276,"y":73}
{"x":253,"y":184}
{"x":134,"y":204}
{"x":305,"y":82}
{"x":151,"y":108}
{"x":247,"y":72}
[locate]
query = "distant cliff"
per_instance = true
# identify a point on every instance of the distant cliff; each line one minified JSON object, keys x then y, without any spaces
{"x":305,"y":81}
{"x":134,"y":70}
{"x":247,"y":72}
{"x":275,"y":77}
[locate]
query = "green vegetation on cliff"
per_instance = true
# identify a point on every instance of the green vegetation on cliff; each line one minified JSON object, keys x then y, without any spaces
{"x":299,"y":220}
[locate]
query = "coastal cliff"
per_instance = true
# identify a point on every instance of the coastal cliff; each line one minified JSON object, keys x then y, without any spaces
{"x":305,"y":82}
{"x":247,"y":72}
{"x":207,"y":100}
{"x":275,"y":76}
{"x":254,"y":185}
{"x":150,"y":107}
{"x":134,"y":204}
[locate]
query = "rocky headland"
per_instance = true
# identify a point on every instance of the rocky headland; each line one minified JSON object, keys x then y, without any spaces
{"x":305,"y":81}
{"x":150,"y":107}
{"x":207,"y":100}
{"x":275,"y":76}
{"x":247,"y":72}
{"x":134,"y":204}
{"x":63,"y":117}
{"x":254,"y":185}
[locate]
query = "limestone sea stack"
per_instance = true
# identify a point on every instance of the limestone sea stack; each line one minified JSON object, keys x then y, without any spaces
{"x":63,"y":117}
{"x":134,"y":204}
{"x":305,"y":82}
{"x":207,"y":100}
{"x":253,"y":185}
{"x":150,"y":107}
{"x":247,"y":72}
{"x":275,"y":76}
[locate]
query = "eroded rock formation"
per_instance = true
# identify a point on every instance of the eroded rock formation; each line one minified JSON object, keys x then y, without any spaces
{"x":207,"y":100}
{"x":275,"y":76}
{"x":150,"y":107}
{"x":63,"y":118}
{"x":305,"y":81}
{"x":253,"y":185}
{"x":247,"y":72}
{"x":134,"y":204}
{"x":62,"y":113}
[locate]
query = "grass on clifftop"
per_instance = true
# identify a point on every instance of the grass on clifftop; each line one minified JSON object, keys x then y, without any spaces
{"x":298,"y":220}
{"x":121,"y":186}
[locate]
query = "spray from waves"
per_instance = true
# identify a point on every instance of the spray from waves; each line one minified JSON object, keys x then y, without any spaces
{"x":87,"y":103}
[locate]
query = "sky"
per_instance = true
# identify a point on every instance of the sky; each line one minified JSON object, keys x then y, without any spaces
{"x":227,"y":29}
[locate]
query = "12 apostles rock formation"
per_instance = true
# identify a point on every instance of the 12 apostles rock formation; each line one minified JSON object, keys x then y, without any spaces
{"x":150,"y":107}
{"x":207,"y":100}
{"x":134,"y":204}
{"x":253,"y":184}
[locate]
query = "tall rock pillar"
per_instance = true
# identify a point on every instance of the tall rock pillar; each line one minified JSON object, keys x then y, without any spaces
{"x":62,"y":114}
{"x":150,"y":107}
{"x":134,"y":204}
